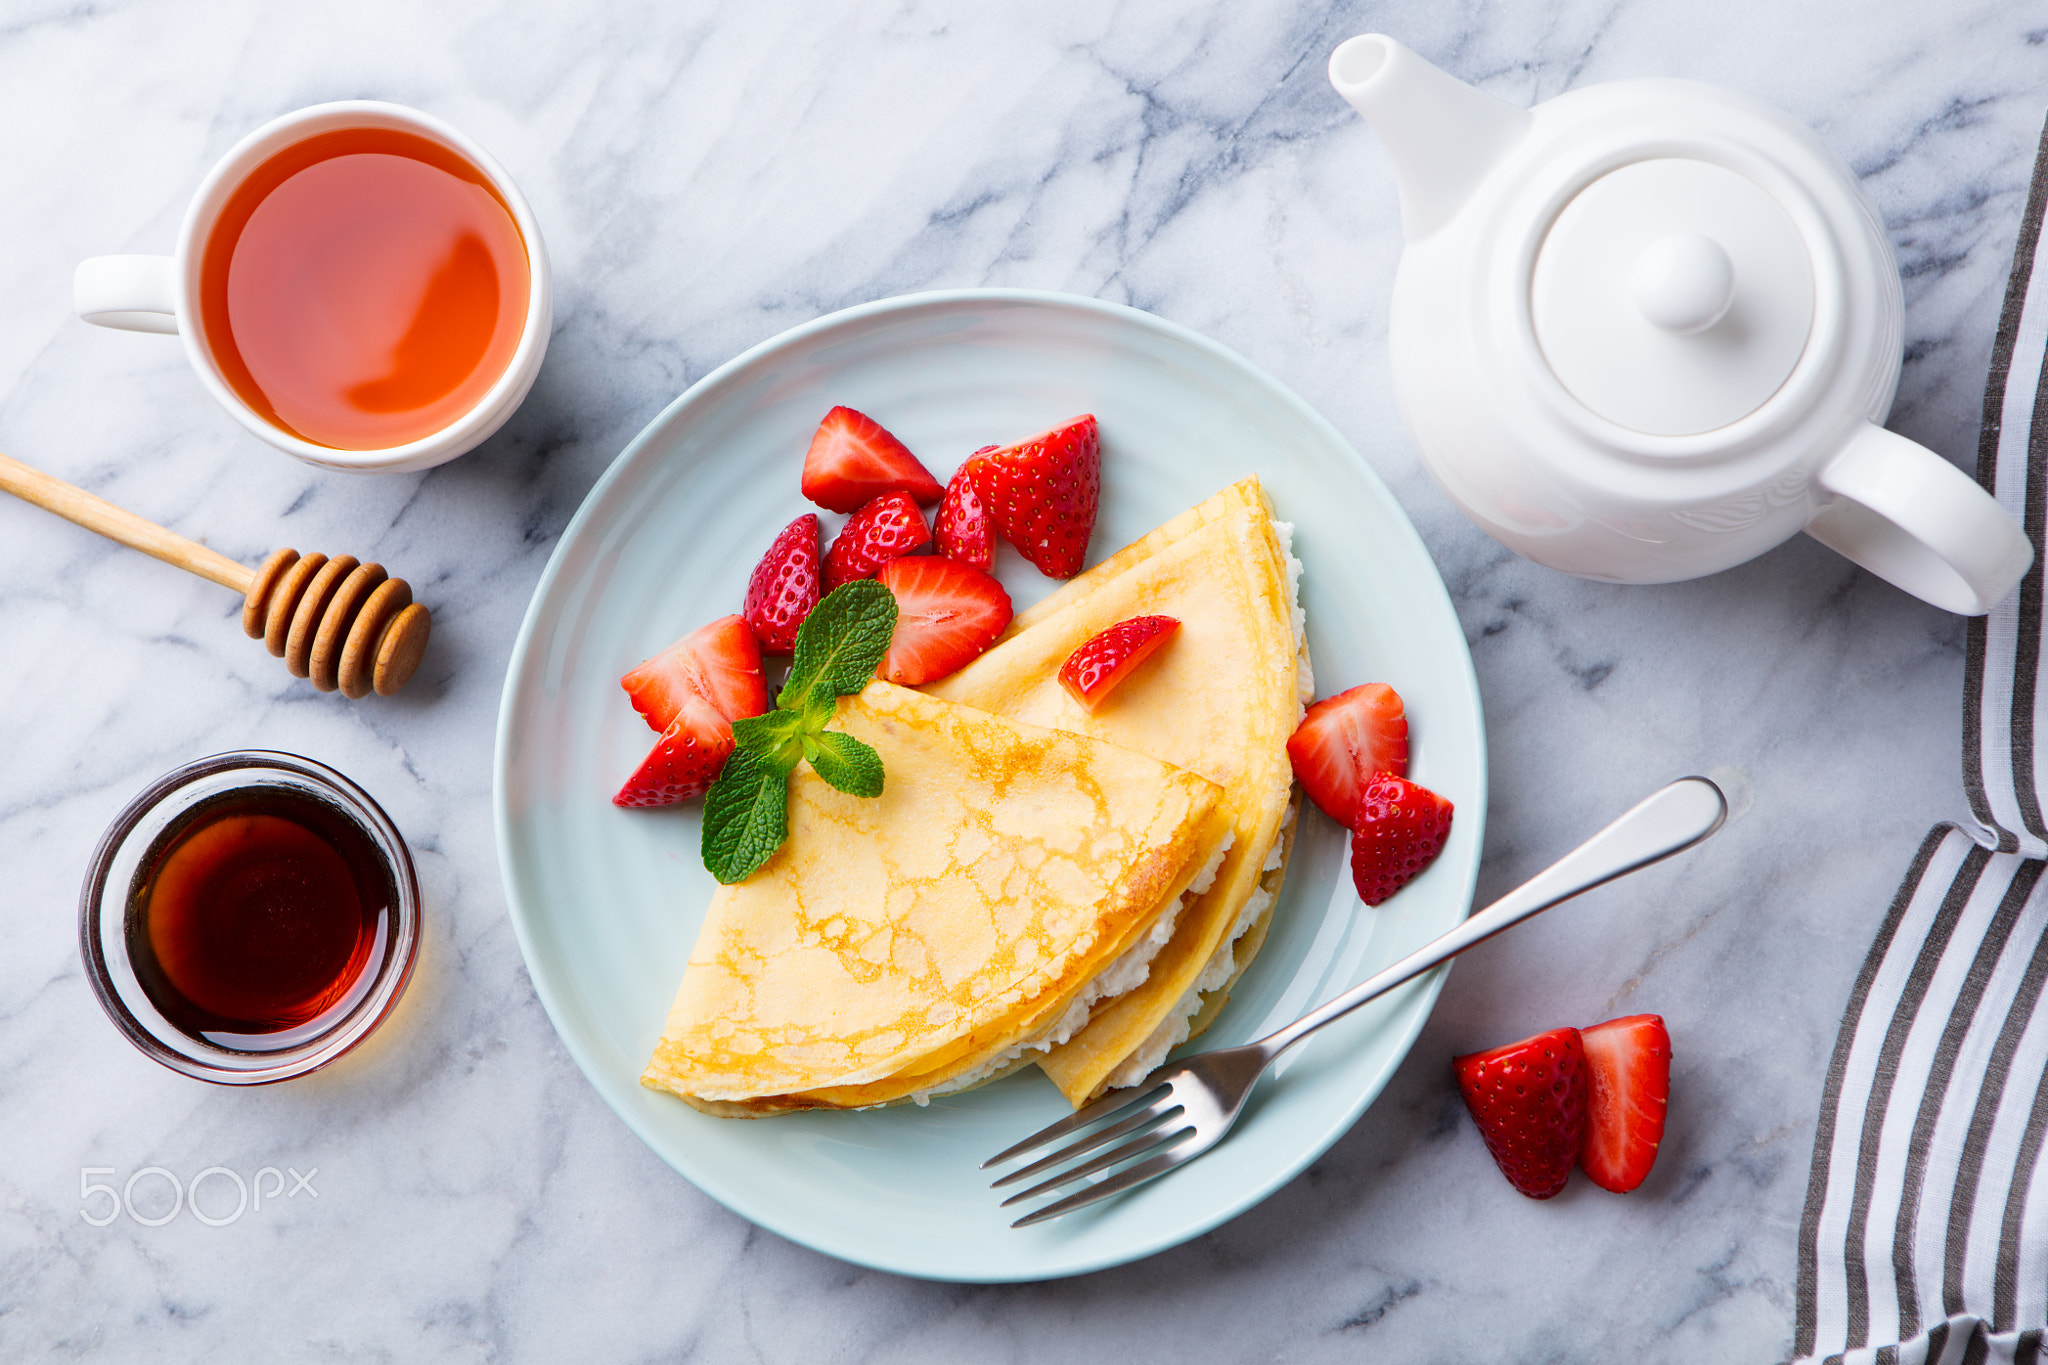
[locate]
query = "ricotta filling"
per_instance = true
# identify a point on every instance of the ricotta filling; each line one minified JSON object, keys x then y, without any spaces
{"x":1173,"y":1029}
{"x":1126,"y":973}
{"x":1304,"y":674}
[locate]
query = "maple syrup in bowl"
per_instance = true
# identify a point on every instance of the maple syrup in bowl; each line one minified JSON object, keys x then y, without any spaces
{"x":249,"y":918}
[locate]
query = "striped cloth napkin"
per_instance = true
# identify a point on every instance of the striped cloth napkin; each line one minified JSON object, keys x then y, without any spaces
{"x":1925,"y":1235}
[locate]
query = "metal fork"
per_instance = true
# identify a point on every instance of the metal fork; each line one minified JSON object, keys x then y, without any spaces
{"x":1185,"y":1109}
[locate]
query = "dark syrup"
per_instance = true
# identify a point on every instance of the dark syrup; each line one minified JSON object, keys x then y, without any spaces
{"x":261,"y":912}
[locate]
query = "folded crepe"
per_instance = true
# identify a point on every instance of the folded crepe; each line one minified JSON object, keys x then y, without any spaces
{"x":1220,"y":700}
{"x":927,"y":939}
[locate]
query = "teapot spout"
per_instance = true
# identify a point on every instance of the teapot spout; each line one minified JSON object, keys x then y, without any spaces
{"x":1444,"y":135}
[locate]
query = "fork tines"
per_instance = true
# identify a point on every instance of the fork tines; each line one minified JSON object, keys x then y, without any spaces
{"x":1149,"y":1115}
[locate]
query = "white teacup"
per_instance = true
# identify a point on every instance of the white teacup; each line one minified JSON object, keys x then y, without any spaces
{"x":162,"y":293}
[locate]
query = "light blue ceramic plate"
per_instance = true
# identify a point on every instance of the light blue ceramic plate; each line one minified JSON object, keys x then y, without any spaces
{"x":607,"y":902}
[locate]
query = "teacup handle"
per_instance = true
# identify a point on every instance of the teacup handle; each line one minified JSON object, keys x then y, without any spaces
{"x":1918,"y":522}
{"x":133,"y":293}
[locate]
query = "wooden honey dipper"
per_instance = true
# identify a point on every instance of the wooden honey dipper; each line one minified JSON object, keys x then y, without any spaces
{"x":340,"y":623}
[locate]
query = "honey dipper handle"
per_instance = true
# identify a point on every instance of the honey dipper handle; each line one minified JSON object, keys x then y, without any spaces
{"x":97,"y":514}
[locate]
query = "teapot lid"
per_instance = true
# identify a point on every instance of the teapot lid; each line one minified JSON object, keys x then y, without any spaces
{"x":1672,"y":296}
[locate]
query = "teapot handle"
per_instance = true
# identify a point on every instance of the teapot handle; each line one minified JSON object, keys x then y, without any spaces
{"x":1919,"y":523}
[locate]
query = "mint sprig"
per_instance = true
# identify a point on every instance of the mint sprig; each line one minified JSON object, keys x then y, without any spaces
{"x":839,"y":645}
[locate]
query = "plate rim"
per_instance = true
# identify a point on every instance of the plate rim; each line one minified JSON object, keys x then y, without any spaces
{"x":1424,"y":993}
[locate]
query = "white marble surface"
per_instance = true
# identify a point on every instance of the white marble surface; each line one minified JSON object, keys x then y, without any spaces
{"x":706,"y":176}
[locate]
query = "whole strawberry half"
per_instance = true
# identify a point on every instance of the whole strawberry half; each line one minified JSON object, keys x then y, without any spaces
{"x":889,"y":527}
{"x":1343,"y":741}
{"x":964,"y":532}
{"x":1041,"y":494}
{"x":1530,"y":1102}
{"x":685,"y":761}
{"x":720,"y":663}
{"x":1398,"y":830}
{"x":784,"y":586}
{"x":1094,"y":670}
{"x":1630,"y":1064}
{"x":947,"y":615}
{"x":853,"y":460}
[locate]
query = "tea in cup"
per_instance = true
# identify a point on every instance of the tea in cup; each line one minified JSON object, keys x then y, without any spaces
{"x":357,"y":283}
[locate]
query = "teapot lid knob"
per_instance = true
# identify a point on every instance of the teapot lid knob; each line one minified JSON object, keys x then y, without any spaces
{"x":1672,"y":296}
{"x":1683,"y":282}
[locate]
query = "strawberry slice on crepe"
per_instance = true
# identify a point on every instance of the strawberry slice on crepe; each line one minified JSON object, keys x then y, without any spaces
{"x":1093,"y":671}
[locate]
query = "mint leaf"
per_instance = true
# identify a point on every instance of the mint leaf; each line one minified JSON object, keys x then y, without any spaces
{"x":839,"y":645}
{"x":746,"y":816}
{"x":845,"y":763}
{"x":776,"y":737}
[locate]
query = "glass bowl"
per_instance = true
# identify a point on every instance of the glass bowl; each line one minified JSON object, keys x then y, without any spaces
{"x":110,"y":910}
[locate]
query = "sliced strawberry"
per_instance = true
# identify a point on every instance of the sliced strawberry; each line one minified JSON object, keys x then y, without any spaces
{"x":852,"y":461}
{"x":784,"y":587}
{"x":965,"y":534}
{"x":1041,"y":494}
{"x":1399,"y":830}
{"x":685,"y":761}
{"x":1530,"y":1102}
{"x":721,"y":663}
{"x":946,"y":615}
{"x":1343,"y":741}
{"x":887,"y":528}
{"x":1093,"y":671}
{"x":1630,"y":1062}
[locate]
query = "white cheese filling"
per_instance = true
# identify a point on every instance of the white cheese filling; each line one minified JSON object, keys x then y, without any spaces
{"x":1304,"y":674}
{"x":1173,"y":1029}
{"x":1126,"y":973}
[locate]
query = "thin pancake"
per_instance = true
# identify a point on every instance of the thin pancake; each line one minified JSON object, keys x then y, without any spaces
{"x":1220,"y":700}
{"x":915,"y":933}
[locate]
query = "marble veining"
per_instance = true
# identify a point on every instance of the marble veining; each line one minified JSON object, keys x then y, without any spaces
{"x":707,"y":175}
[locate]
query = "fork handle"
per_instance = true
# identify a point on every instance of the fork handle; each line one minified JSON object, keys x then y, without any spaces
{"x":1670,"y":821}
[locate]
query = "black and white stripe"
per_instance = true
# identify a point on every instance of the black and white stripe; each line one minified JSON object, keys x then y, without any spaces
{"x":1925,"y":1234}
{"x":2003,"y":699}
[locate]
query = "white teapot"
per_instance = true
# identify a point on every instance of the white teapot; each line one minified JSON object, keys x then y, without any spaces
{"x":1649,"y":329}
